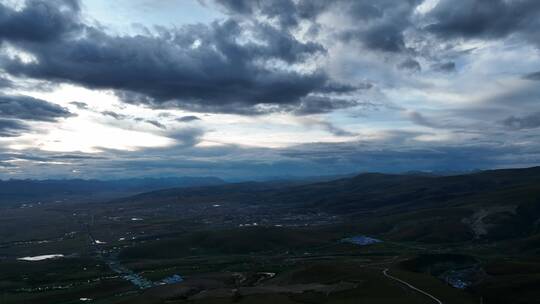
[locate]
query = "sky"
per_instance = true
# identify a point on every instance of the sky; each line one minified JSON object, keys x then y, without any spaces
{"x":243,"y":89}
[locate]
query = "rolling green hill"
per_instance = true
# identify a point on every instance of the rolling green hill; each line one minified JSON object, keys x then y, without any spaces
{"x":491,"y":205}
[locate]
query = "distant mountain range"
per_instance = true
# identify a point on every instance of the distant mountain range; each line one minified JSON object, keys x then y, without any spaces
{"x":485,"y":205}
{"x":33,"y":191}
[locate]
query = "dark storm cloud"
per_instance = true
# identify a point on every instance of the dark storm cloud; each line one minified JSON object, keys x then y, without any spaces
{"x":445,"y":67}
{"x":421,"y":120}
{"x":16,"y":109}
{"x":530,"y":121}
{"x":213,"y":68}
{"x":29,"y":108}
{"x":280,"y":10}
{"x":455,"y":123}
{"x":383,"y":22}
{"x":334,"y":87}
{"x":76,"y":157}
{"x":244,"y":7}
{"x":7,"y":165}
{"x":200,"y":67}
{"x":333,"y":129}
{"x":80,"y":105}
{"x":47,"y":157}
{"x":39,"y":21}
{"x":11,"y":128}
{"x":532,"y":76}
{"x":187,"y":137}
{"x":410,"y":64}
{"x":119,"y":116}
{"x":114,"y":115}
{"x":385,"y":37}
{"x":287,"y":12}
{"x":320,"y":105}
{"x":155,"y":123}
{"x":484,"y":18}
{"x":21,"y":156}
{"x":362,"y":156}
{"x":5,"y":83}
{"x":188,"y":118}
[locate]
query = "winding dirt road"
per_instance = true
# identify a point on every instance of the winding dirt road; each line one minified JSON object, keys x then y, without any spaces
{"x":385,"y":272}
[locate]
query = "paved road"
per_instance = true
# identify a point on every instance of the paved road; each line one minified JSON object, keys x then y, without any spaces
{"x":385,"y":272}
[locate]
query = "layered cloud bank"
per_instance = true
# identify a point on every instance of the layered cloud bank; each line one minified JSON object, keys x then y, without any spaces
{"x":267,"y":88}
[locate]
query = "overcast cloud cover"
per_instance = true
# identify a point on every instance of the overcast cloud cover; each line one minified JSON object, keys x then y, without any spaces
{"x":245,"y":89}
